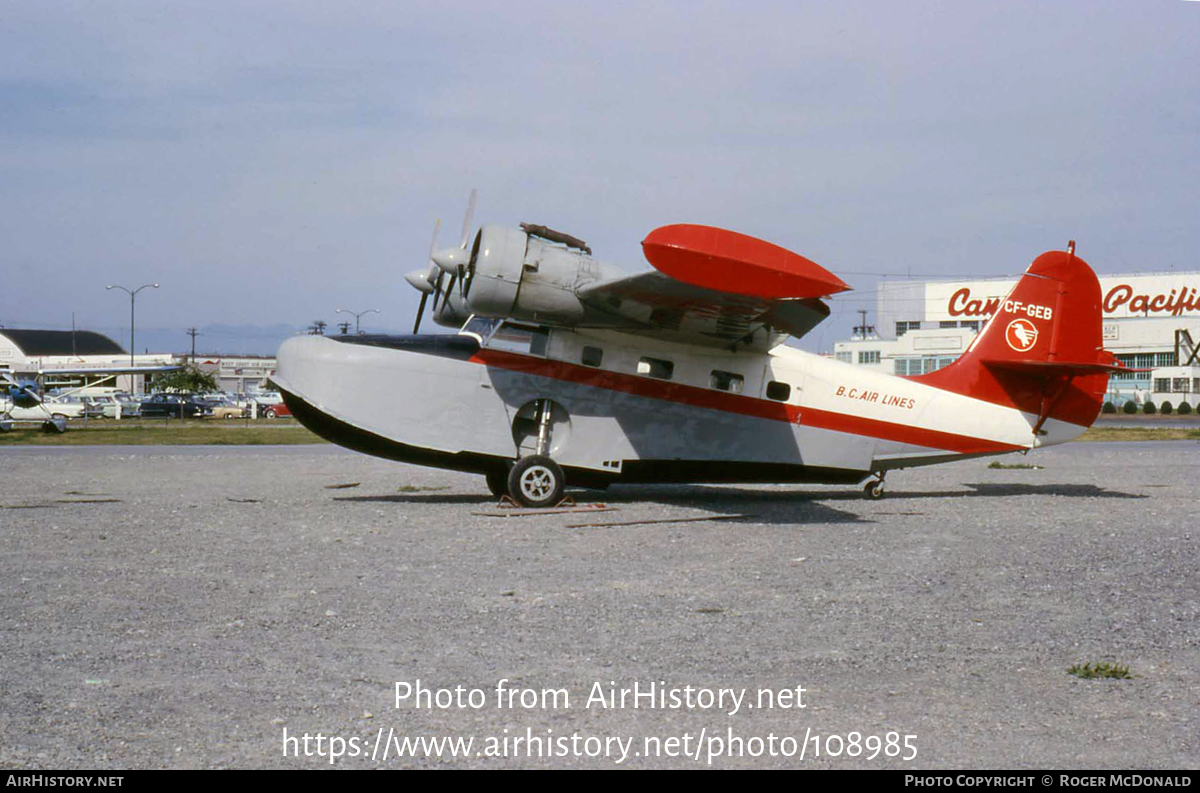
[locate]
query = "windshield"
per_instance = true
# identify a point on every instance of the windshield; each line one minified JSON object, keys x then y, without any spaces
{"x":479,"y":327}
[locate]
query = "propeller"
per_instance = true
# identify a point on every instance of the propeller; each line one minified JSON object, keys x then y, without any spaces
{"x":452,"y":261}
{"x":428,"y":281}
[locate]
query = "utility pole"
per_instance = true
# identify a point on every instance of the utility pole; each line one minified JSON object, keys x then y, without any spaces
{"x":344,"y":327}
{"x":863,"y":330}
{"x":193,"y":333}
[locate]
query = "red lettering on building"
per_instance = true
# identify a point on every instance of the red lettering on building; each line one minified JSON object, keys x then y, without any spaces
{"x":1177,"y":302}
{"x":961,"y":305}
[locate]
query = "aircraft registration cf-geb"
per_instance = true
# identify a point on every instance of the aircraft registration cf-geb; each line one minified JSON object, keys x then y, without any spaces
{"x":568,"y":372}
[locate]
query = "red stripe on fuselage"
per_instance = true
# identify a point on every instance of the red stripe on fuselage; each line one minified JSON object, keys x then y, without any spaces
{"x":736,"y":403}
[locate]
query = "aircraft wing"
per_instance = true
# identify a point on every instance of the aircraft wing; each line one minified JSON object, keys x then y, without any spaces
{"x":714,"y":288}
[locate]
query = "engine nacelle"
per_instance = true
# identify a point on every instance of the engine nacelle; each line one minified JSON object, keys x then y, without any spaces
{"x":494,"y":272}
{"x":513,"y":274}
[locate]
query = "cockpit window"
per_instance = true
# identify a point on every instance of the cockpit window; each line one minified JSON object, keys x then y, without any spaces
{"x":524,"y":339}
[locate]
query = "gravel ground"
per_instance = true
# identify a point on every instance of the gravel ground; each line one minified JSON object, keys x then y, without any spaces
{"x":191,"y":607}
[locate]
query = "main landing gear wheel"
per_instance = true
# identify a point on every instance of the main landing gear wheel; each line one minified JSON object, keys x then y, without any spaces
{"x":874,"y":489}
{"x":497,"y":483}
{"x":536,"y":481}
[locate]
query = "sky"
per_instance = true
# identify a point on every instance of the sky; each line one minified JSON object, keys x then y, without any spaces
{"x":267,"y":163}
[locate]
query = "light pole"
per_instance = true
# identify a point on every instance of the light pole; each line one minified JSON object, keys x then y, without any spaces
{"x":132,"y":296}
{"x":357,"y":314}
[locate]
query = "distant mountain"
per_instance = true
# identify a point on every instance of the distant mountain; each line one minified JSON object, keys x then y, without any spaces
{"x":215,"y":339}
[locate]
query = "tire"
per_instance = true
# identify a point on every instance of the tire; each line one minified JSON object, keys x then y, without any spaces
{"x":497,"y":483}
{"x":873,"y":489}
{"x":536,"y":481}
{"x":270,"y":413}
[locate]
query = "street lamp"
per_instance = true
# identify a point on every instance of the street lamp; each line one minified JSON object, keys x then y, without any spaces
{"x":132,"y":295}
{"x":357,"y":315}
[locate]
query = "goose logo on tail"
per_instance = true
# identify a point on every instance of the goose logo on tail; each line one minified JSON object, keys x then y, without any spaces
{"x":1021,"y":335}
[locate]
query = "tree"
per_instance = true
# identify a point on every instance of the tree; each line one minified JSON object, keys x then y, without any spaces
{"x":188,"y":379}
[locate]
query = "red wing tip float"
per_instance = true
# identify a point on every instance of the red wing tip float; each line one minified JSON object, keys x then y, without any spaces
{"x":567,"y":371}
{"x":726,"y":261}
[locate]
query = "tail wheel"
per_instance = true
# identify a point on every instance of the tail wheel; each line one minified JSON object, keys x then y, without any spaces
{"x":536,"y":481}
{"x":874,"y":489}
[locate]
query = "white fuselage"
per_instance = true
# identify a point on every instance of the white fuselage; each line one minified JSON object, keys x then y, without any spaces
{"x":630,"y":409}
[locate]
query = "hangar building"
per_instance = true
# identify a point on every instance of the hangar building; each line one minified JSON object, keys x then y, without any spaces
{"x":1150,"y":322}
{"x":24,"y":353}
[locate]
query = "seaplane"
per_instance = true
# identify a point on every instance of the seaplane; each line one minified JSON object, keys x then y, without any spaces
{"x":565,"y":371}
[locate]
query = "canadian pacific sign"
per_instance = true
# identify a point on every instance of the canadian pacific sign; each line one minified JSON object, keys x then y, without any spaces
{"x":1162,"y":295}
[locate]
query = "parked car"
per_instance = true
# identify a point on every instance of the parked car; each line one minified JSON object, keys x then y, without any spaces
{"x":107,"y":405}
{"x":72,"y":407}
{"x":277,"y":411}
{"x":224,"y":409}
{"x":130,"y":406}
{"x":184,"y":406}
{"x":40,"y":412}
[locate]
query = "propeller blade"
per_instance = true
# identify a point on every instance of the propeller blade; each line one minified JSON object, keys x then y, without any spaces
{"x":437,"y":289}
{"x":467,"y":219}
{"x":420,"y":312}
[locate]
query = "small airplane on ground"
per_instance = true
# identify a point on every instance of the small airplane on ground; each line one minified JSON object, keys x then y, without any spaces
{"x":21,"y":400}
{"x":568,"y":372}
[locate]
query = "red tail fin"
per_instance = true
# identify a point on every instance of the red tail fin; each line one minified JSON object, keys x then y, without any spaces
{"x":1042,"y":351}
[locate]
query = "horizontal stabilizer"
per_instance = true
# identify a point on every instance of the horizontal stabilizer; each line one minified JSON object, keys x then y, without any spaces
{"x":1050,"y":368}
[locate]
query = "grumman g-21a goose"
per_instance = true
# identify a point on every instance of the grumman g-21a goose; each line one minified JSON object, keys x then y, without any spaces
{"x":568,"y":372}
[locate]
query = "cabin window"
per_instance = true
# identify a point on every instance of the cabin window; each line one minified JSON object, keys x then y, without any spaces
{"x":525,"y":339}
{"x":656,"y":367}
{"x":778,"y":391}
{"x":726,"y":381}
{"x":592,"y":356}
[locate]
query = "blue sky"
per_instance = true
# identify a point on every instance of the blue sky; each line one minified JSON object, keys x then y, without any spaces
{"x":269,"y":162}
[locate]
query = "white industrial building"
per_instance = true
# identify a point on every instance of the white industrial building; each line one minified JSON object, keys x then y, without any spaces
{"x":26,"y":354}
{"x":1150,"y":322}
